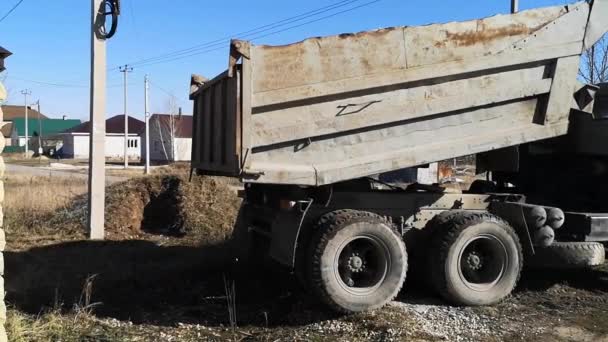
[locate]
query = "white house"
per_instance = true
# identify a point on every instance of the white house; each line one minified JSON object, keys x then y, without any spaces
{"x":76,"y":140}
{"x":170,"y":137}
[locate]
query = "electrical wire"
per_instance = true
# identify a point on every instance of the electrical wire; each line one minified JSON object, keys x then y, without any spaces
{"x":221,"y":45}
{"x":251,"y":31}
{"x":221,"y":42}
{"x":11,"y":10}
{"x":58,"y":85}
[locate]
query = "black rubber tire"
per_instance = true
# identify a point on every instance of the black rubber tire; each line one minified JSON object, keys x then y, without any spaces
{"x":459,"y":229}
{"x":418,"y":243}
{"x":335,"y":231}
{"x":568,"y":255}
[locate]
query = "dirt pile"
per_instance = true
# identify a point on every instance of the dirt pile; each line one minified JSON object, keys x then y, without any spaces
{"x":204,"y":208}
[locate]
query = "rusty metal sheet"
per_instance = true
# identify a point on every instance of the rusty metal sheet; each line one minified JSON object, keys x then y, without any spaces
{"x":329,"y":109}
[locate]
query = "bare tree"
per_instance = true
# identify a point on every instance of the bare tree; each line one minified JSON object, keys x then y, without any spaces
{"x":594,"y":66}
{"x":3,"y":77}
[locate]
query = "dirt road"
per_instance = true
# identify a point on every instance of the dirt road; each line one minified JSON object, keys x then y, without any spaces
{"x":13,"y":169}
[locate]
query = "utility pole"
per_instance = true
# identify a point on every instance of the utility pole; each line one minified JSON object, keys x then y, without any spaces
{"x":26,"y":93}
{"x":514,"y":6}
{"x":40,"y":149}
{"x":97,"y":160}
{"x":147,"y":121}
{"x":39,"y":128}
{"x":125,"y":70}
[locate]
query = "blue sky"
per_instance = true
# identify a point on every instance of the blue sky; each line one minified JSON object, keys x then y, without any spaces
{"x":51,"y":44}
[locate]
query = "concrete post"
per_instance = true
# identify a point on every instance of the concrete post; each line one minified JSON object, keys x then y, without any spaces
{"x":147,"y":118}
{"x":97,"y":159}
{"x":126,"y":69}
{"x":514,"y":6}
{"x":25,"y":93}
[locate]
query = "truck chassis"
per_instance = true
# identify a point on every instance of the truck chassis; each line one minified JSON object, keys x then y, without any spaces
{"x":350,"y":243}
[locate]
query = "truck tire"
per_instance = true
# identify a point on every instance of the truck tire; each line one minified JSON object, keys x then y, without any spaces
{"x":568,"y":255}
{"x":358,"y":261}
{"x":476,"y":259}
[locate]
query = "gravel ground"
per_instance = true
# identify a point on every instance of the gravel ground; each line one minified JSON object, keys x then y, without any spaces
{"x":146,"y":292}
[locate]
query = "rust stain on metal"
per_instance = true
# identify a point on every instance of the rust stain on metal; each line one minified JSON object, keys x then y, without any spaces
{"x":484,"y":34}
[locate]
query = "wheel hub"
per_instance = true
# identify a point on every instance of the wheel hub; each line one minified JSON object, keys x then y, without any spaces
{"x":356,"y":264}
{"x":474,"y":261}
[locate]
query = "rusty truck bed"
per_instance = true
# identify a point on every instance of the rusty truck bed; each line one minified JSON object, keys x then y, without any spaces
{"x":335,"y":108}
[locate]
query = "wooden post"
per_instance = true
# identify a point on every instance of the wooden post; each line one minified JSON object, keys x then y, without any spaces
{"x":97,"y":177}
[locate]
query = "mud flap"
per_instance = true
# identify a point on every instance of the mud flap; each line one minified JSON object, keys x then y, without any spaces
{"x":285,"y":232}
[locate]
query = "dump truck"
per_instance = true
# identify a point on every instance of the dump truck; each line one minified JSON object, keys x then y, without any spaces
{"x":306,"y":126}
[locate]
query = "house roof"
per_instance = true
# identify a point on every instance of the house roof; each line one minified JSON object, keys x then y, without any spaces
{"x":7,"y":129}
{"x":182,"y":123}
{"x":49,"y":126}
{"x":12,"y":112}
{"x":3,"y":54}
{"x":115,"y":124}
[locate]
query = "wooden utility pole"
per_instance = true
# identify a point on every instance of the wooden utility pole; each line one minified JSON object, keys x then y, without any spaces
{"x":26,"y":93}
{"x":147,"y":121}
{"x":97,"y":135}
{"x":125,"y":70}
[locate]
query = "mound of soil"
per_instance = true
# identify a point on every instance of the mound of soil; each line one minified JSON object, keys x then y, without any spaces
{"x":204,"y":208}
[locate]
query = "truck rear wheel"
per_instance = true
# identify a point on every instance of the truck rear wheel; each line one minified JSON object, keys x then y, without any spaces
{"x":358,"y":261}
{"x":475,"y":260}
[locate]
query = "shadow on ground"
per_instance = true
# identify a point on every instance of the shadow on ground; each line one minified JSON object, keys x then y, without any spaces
{"x":146,"y":283}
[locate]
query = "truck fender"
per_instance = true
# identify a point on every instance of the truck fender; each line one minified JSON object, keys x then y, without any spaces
{"x":513,"y":213}
{"x":285,"y":233}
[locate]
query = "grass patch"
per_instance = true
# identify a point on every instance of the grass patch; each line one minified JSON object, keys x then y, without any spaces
{"x":38,"y":209}
{"x":55,"y":326}
{"x":31,"y":204}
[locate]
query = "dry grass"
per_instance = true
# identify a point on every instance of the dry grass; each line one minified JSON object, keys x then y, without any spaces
{"x":202,"y":210}
{"x":32,"y":202}
{"x":39,"y":210}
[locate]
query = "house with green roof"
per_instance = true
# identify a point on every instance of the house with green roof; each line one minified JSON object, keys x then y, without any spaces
{"x":39,"y":130}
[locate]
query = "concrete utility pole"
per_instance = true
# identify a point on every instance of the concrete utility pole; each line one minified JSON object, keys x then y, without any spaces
{"x":26,"y":93}
{"x":147,"y":120}
{"x":125,"y":70}
{"x":40,"y":149}
{"x":97,"y":160}
{"x":514,"y":6}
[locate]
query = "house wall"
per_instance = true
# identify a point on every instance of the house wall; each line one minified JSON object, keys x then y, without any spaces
{"x":183,"y":149}
{"x":160,"y":144}
{"x":77,"y":146}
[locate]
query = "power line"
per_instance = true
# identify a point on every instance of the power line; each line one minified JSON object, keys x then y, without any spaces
{"x":263,"y":27}
{"x":169,"y":93}
{"x":58,"y":85}
{"x":220,"y":45}
{"x":11,"y":10}
{"x":205,"y":47}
